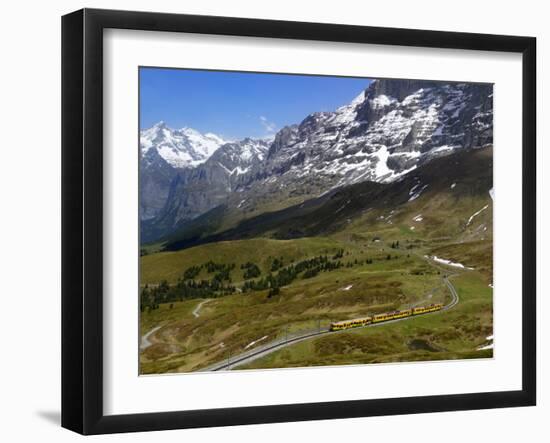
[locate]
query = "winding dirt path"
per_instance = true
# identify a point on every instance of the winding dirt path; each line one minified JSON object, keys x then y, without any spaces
{"x":145,"y":342}
{"x":196,"y":311}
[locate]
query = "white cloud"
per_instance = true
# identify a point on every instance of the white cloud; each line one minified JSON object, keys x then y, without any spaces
{"x":268,"y":126}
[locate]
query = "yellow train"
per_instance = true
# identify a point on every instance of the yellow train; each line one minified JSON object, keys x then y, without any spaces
{"x":391,"y":315}
{"x":426,"y":309}
{"x":386,"y":316}
{"x":346,"y":324}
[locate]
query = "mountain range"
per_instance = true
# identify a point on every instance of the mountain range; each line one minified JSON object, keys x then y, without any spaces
{"x":193,"y":184}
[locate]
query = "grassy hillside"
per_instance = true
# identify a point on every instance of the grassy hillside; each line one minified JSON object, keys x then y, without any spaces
{"x":228,"y":324}
{"x":457,"y":183}
{"x":186,"y":342}
{"x":171,"y":265}
{"x":453,"y":334}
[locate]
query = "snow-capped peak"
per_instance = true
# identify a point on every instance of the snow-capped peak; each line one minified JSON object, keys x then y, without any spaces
{"x":348,"y":113}
{"x":181,"y":148}
{"x":205,"y":143}
{"x":383,"y":134}
{"x":238,"y":157}
{"x":360,"y":98}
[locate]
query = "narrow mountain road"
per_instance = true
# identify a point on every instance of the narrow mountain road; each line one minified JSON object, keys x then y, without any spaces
{"x":255,"y":354}
{"x":145,"y":342}
{"x":196,"y":311}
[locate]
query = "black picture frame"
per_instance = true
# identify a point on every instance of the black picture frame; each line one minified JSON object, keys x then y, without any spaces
{"x":82,"y":218}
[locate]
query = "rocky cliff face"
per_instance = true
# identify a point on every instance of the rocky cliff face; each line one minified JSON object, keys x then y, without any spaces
{"x":390,"y":129}
{"x":185,"y":193}
{"x":386,"y":131}
{"x":164,"y":153}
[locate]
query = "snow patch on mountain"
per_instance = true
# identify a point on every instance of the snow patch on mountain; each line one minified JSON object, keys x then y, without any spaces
{"x":476,"y":214}
{"x":444,"y":148}
{"x":489,"y":342}
{"x":449,"y":263}
{"x":416,"y":192}
{"x":252,"y":343}
{"x":382,"y":171}
{"x":381,"y":101}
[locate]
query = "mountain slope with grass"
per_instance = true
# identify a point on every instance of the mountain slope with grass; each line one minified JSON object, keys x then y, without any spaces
{"x":442,"y":195}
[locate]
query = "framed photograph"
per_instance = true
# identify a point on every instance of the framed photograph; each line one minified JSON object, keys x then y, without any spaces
{"x":269,"y":221}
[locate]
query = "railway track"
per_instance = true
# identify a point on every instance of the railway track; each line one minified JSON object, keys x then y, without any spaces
{"x":256,"y":353}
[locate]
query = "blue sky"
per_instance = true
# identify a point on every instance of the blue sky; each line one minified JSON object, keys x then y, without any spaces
{"x":235,"y":105}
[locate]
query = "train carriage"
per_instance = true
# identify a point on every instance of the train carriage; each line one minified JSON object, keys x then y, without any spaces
{"x":426,"y":309}
{"x":347,"y":324}
{"x":386,"y":316}
{"x":391,"y":315}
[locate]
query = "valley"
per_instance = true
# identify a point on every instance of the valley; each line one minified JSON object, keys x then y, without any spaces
{"x":383,"y":205}
{"x":384,"y":265}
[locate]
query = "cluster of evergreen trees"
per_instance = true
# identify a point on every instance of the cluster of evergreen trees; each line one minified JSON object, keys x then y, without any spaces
{"x":251,"y":270}
{"x":308,"y":268}
{"x":218,"y":267}
{"x":188,"y":287}
{"x":277,"y":264}
{"x":222,"y":270}
{"x":192,"y":272}
{"x":152,"y":296}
